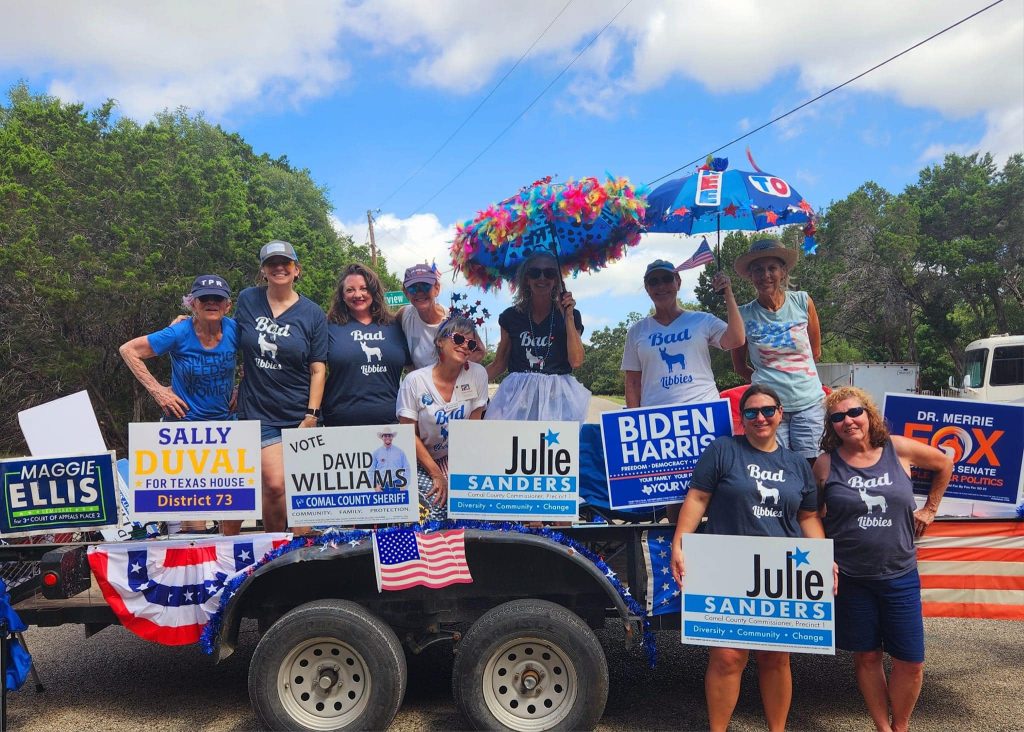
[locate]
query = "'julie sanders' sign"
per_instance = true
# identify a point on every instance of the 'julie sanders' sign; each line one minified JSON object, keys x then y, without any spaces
{"x":758,"y":593}
{"x":650,"y":452}
{"x":54,"y":494}
{"x":194,"y":470}
{"x":513,"y":471}
{"x":350,"y":475}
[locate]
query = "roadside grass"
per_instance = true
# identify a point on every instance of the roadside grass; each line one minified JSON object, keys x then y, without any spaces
{"x":618,"y":399}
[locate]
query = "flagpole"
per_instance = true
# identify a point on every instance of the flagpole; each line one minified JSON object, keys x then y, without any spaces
{"x":718,"y":245}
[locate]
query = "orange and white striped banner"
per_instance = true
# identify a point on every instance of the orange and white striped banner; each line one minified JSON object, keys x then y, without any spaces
{"x":972,"y":569}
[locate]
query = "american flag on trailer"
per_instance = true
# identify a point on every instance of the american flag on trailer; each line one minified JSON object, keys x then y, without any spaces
{"x":405,"y":558}
{"x":972,"y":569}
{"x":166,"y":591}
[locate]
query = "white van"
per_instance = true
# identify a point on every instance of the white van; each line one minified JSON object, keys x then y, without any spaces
{"x":994,"y":369}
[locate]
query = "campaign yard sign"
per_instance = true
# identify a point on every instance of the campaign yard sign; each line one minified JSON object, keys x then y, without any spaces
{"x":42,"y":495}
{"x":513,"y":471}
{"x":195,"y":470}
{"x":985,"y":440}
{"x":758,"y":593}
{"x":650,"y":452}
{"x":350,"y":475}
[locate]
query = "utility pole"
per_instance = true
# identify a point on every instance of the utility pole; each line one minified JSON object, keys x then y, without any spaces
{"x":373,"y":242}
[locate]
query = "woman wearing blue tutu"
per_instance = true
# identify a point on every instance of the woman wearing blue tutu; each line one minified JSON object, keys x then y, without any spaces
{"x":541,"y":344}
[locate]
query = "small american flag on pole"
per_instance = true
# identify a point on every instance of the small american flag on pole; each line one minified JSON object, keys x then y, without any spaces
{"x":703,"y":255}
{"x":406,"y":558}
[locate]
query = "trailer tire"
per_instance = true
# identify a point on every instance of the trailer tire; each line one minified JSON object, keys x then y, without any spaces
{"x":327,"y":665}
{"x":530,"y":665}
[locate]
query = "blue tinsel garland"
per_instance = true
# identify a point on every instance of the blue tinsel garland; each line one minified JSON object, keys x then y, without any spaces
{"x":335,"y":537}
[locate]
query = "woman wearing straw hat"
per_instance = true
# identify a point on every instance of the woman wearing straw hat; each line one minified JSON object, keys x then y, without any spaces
{"x":783,"y":343}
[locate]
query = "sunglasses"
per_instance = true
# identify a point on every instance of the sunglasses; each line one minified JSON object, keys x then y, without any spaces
{"x":211,"y":298}
{"x":458,"y":339}
{"x":853,"y":413}
{"x":766,"y":412}
{"x":419,"y":288}
{"x":659,"y":280}
{"x":548,"y":273}
{"x":278,"y":262}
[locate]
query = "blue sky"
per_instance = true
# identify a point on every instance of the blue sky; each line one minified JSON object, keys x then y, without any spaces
{"x":363,"y":93}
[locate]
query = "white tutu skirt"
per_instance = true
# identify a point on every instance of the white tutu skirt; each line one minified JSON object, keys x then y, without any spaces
{"x":533,"y":396}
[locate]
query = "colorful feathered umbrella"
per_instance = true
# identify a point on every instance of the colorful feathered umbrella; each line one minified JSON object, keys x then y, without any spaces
{"x":584,"y":224}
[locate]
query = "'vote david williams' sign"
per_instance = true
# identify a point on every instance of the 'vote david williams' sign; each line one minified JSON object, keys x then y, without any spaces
{"x":760,"y":593}
{"x":195,"y":470}
{"x":51,"y":494}
{"x":513,"y":471}
{"x":986,"y":442}
{"x":650,"y":452}
{"x":350,"y":475}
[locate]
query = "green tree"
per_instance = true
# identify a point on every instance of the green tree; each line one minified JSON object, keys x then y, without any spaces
{"x":600,"y":371}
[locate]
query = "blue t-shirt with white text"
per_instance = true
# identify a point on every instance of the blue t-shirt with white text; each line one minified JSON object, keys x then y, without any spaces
{"x":202,"y":377}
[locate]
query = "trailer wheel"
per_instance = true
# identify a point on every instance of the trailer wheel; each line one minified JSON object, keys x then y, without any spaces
{"x":327,"y":665}
{"x":530,"y":665}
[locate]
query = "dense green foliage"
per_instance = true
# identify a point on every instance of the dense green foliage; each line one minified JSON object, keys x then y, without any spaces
{"x":908,"y":277}
{"x":103,"y":226}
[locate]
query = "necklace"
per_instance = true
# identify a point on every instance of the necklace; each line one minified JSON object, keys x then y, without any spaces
{"x":536,"y":360}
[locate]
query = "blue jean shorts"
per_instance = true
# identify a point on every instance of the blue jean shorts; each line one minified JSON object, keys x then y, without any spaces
{"x":881,"y":614}
{"x":269,"y":435}
{"x":801,"y":431}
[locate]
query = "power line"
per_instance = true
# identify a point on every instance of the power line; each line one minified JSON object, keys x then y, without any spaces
{"x":529,"y":106}
{"x":825,"y":94}
{"x":477,"y":107}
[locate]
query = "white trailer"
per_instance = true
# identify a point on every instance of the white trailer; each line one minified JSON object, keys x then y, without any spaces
{"x":874,"y":378}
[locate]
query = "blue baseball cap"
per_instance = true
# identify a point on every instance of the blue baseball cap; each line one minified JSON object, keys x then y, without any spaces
{"x":210,"y":284}
{"x":660,"y":264}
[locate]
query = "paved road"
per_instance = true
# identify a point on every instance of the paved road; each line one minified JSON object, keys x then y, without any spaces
{"x":115,"y":681}
{"x":598,"y":405}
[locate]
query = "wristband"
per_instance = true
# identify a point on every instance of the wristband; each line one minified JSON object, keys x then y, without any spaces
{"x":312,"y":412}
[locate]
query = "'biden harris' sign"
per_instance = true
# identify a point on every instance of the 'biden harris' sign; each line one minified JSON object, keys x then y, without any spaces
{"x":513,"y":471}
{"x":650,"y":452}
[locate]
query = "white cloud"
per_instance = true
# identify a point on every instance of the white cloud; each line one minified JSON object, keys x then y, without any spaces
{"x":210,"y":56}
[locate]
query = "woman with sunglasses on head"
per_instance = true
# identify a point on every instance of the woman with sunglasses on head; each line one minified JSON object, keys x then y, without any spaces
{"x":730,"y":483}
{"x":366,"y":354}
{"x":869,"y":512}
{"x":202,"y":350}
{"x":283,"y":344}
{"x":455,"y":387}
{"x":666,"y":358}
{"x":783,"y":343}
{"x":540,"y":346}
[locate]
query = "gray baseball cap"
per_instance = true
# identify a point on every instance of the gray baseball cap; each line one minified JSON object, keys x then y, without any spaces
{"x":278,"y":248}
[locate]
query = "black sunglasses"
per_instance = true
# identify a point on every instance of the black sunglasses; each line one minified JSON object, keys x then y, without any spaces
{"x":662,"y":280}
{"x":211,"y":298}
{"x":458,"y":339}
{"x":852,"y":413}
{"x":766,"y":412}
{"x":548,"y":273}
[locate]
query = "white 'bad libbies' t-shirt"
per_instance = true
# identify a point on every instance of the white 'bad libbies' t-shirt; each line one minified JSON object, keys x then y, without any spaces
{"x":419,"y":399}
{"x":673,"y":360}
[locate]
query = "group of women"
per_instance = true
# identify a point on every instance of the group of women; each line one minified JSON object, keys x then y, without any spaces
{"x":301,"y":368}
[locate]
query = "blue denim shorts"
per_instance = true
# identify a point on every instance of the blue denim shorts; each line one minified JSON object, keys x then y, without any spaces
{"x":801,"y":431}
{"x":269,"y":435}
{"x":881,"y":614}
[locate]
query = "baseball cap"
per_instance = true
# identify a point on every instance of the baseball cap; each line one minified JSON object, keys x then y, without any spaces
{"x":278,"y":248}
{"x":660,"y":264}
{"x":420,"y":273}
{"x":210,"y":284}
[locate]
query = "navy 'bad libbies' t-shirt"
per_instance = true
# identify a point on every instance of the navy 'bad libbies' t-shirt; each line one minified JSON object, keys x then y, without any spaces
{"x":364,"y":365}
{"x":754,"y":493}
{"x":276,"y":355}
{"x":542,"y":347}
{"x":203,"y":377}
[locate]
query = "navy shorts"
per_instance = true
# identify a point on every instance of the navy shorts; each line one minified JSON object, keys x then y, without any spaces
{"x":882,"y":613}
